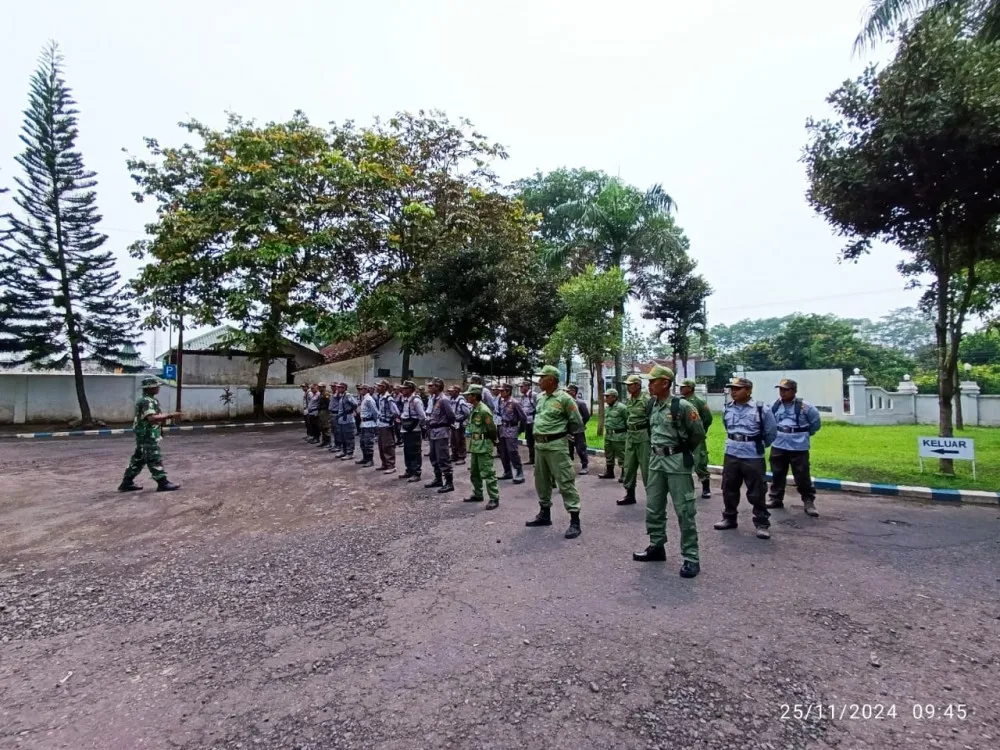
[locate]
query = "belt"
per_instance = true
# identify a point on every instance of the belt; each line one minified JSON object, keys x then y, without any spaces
{"x":618,"y":432}
{"x":549,"y":438}
{"x":744,"y":438}
{"x":478,"y":436}
{"x":639,"y":427}
{"x":793,"y":430}
{"x":666,"y":450}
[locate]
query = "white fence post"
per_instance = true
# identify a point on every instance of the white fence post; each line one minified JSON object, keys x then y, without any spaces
{"x":970,"y":402}
{"x":857,"y":394}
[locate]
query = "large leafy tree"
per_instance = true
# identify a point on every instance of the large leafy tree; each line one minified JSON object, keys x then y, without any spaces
{"x":913,"y":158}
{"x":907,"y":329}
{"x":885,"y":16}
{"x":590,"y":326}
{"x":62,"y":298}
{"x":676,"y":302}
{"x":262,"y":223}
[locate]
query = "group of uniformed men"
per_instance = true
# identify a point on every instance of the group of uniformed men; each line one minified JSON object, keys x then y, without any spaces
{"x":660,"y":436}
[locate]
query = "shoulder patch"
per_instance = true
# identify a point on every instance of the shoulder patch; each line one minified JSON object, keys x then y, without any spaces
{"x":693,"y":415}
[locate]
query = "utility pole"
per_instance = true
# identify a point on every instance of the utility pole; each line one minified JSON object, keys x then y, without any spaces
{"x":180,"y":349}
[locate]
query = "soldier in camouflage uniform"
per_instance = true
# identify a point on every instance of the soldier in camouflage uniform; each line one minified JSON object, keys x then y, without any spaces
{"x":615,"y":432}
{"x":482,"y":435}
{"x":636,"y":439}
{"x":147,"y":426}
{"x":700,"y":455}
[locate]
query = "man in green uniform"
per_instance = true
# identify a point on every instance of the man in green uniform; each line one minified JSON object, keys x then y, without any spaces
{"x":147,"y":429}
{"x":615,"y":431}
{"x":636,"y":439}
{"x":675,"y":432}
{"x":700,"y":455}
{"x":556,"y":416}
{"x":482,"y":431}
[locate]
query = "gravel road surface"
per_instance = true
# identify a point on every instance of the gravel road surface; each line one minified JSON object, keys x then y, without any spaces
{"x":285,"y":600}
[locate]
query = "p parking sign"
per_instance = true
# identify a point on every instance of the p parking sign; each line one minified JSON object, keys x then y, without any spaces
{"x":170,"y":372}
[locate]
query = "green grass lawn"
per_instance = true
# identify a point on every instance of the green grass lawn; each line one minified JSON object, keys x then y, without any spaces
{"x":886,"y":455}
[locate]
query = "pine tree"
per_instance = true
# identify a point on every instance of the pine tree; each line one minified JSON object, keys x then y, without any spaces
{"x":62,"y":294}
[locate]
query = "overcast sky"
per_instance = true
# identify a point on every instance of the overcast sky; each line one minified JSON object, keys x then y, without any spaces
{"x":709,"y":98}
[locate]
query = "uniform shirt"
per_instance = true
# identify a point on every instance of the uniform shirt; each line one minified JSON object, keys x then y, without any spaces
{"x":305,"y":402}
{"x":744,"y":419}
{"x":528,"y":403}
{"x":784,"y":417}
{"x":348,"y":405}
{"x":489,"y":399}
{"x":387,"y":410}
{"x":615,"y":422}
{"x":664,"y":432}
{"x":482,"y":429}
{"x":555,"y":413}
{"x":313,"y":407}
{"x":324,"y":403}
{"x":636,"y":421}
{"x":440,"y":417}
{"x":369,"y":411}
{"x":512,"y":417}
{"x":413,"y":408}
{"x":462,"y":410}
{"x":703,"y":411}
{"x":335,"y":400}
{"x":145,"y":431}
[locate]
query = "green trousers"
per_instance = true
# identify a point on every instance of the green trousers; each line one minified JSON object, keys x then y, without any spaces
{"x":680,"y":487}
{"x":552,"y":463}
{"x":483,"y":471}
{"x":701,"y":462}
{"x":636,"y":458}
{"x":146,"y":454}
{"x":614,"y":452}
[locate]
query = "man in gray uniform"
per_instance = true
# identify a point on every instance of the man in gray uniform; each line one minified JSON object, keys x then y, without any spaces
{"x":750,"y":428}
{"x":388,"y":413}
{"x":488,"y":397}
{"x":511,"y":419}
{"x":411,"y":419}
{"x":797,"y":422}
{"x":369,"y":426}
{"x":440,"y":418}
{"x":345,"y":421}
{"x":579,"y":439}
{"x":338,"y":434}
{"x":528,"y":403}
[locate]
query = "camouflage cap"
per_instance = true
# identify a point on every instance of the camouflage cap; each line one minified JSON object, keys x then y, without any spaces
{"x":321,"y":385}
{"x":341,"y":385}
{"x":787,"y":383}
{"x":436,"y":381}
{"x":549,"y":371}
{"x":632,"y":379}
{"x":151,"y":382}
{"x":689,"y":381}
{"x":659,"y":372}
{"x":739,"y":383}
{"x":475,"y":388}
{"x":611,"y":392}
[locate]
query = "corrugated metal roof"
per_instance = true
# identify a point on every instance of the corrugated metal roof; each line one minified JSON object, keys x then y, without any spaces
{"x":216,"y":338}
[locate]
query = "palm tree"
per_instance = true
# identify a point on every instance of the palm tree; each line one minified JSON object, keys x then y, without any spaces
{"x":627,"y":229}
{"x":885,"y":16}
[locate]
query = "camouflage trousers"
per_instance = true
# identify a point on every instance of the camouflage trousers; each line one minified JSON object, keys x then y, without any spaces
{"x":146,"y":454}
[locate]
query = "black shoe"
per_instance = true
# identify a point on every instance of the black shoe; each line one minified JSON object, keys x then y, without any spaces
{"x":129,"y":486}
{"x":725,"y":524}
{"x":706,"y":490}
{"x":366,"y":464}
{"x":574,"y":526}
{"x":448,"y":486}
{"x":459,"y":461}
{"x":493,"y":504}
{"x":407,"y":475}
{"x":346,"y":457}
{"x":763,"y":532}
{"x":362,"y":461}
{"x":313,"y":440}
{"x":609,"y":473}
{"x":506,"y":475}
{"x":414,"y":478}
{"x":621,"y":479}
{"x":773,"y":502}
{"x":652,"y":553}
{"x":519,"y":478}
{"x":583,"y":472}
{"x":690,"y":569}
{"x":544,"y":518}
{"x":530,"y":462}
{"x":473,"y":499}
{"x":166,"y":486}
{"x":436,"y":483}
{"x":810,"y":508}
{"x":629,"y":498}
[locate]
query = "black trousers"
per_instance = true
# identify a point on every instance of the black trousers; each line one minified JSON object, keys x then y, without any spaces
{"x":441,"y":456}
{"x":579,"y":445}
{"x":312,"y":425}
{"x":529,"y":438}
{"x":387,"y":447}
{"x":510,"y":456}
{"x":781,"y":460}
{"x":749,"y":471}
{"x":411,"y":452}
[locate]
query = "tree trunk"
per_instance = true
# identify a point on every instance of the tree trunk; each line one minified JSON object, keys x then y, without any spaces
{"x":599,"y":366}
{"x":569,"y":369}
{"x":86,"y":420}
{"x":959,"y":421}
{"x":180,"y":361}
{"x":258,"y":392}
{"x":946,"y":381}
{"x":620,"y":313}
{"x":406,"y":363}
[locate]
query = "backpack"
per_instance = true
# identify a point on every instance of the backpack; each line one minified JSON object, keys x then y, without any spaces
{"x":798,"y":410}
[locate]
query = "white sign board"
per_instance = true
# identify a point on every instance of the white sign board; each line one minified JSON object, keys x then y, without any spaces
{"x":938,"y":447}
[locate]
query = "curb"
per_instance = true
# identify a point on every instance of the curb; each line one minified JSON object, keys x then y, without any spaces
{"x":934,"y":494}
{"x":127,"y":430}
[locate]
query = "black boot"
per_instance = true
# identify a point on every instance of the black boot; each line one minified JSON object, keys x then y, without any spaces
{"x":448,"y":485}
{"x":706,"y":489}
{"x":166,"y":486}
{"x":629,"y":498}
{"x":690,"y":569}
{"x":774,"y":502}
{"x":407,"y":475}
{"x":574,"y":525}
{"x":609,"y":472}
{"x":544,"y":518}
{"x":519,"y":477}
{"x":472,"y":499}
{"x":128,"y":485}
{"x":493,"y":504}
{"x":725,"y":524}
{"x":652,"y":553}
{"x":506,"y":475}
{"x":414,"y":478}
{"x":436,"y":483}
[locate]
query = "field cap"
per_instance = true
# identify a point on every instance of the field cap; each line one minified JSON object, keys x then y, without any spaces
{"x":574,"y":386}
{"x":689,"y":381}
{"x":151,"y":382}
{"x":740,"y":383}
{"x":549,"y":370}
{"x":787,"y":383}
{"x":409,"y":384}
{"x":474,"y":388}
{"x":506,"y":387}
{"x":659,"y":372}
{"x":611,"y":392}
{"x":631,"y":379}
{"x":527,"y":383}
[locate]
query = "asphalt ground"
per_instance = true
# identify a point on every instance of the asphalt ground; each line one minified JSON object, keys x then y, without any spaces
{"x":285,"y":600}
